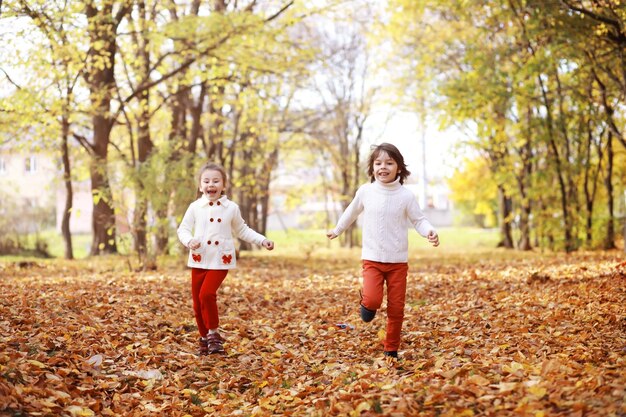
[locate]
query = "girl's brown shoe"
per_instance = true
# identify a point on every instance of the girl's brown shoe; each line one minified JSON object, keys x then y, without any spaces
{"x":203,"y":345}
{"x":215,"y":343}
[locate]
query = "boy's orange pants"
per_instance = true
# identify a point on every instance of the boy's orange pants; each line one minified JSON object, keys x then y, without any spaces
{"x":204,"y":286}
{"x":375,"y":274}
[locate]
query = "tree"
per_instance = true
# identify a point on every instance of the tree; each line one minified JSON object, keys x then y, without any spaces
{"x":521,"y":76}
{"x":345,"y":91}
{"x":59,"y":61}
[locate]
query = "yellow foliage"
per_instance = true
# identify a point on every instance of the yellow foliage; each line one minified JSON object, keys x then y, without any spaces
{"x":474,"y":191}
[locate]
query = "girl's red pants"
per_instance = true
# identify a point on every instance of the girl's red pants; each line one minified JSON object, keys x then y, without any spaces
{"x":204,"y":286}
{"x":375,"y":275}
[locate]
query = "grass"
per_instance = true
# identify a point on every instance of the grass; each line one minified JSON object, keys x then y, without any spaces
{"x":56,"y":246}
{"x":458,"y":245}
{"x":452,"y":238}
{"x":304,"y":244}
{"x":313,"y":243}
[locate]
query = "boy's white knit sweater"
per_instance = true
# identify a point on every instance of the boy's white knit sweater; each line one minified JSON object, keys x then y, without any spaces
{"x":387,"y":209}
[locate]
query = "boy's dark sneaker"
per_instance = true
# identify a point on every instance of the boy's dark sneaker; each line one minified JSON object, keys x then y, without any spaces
{"x":391,"y":353}
{"x":367,"y":315}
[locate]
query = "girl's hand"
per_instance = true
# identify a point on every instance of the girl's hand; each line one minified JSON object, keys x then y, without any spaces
{"x":194,"y":244}
{"x":331,"y":235}
{"x":268,"y":244}
{"x":433,"y":238}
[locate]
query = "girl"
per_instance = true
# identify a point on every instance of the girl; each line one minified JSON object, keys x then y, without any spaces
{"x":386,"y":207}
{"x":207,"y":230}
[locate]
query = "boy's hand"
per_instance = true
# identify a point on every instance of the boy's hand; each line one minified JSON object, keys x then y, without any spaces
{"x":433,"y":238}
{"x":331,"y":235}
{"x":194,"y":244}
{"x":268,"y":244}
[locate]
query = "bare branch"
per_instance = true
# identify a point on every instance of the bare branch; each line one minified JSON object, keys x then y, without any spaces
{"x":9,"y":78}
{"x":84,"y":142}
{"x":278,"y":13}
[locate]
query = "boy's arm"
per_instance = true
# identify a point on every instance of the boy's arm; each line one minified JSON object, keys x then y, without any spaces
{"x":421,"y":223}
{"x":348,"y":217}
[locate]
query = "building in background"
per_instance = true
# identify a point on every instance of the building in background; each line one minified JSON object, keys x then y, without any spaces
{"x":35,"y":179}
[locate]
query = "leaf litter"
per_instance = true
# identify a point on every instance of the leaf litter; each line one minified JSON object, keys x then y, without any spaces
{"x":543,"y":336}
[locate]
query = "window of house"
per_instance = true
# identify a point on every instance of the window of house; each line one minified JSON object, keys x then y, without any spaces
{"x":30,"y":165}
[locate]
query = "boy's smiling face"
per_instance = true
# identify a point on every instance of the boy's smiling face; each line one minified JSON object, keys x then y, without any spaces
{"x":212,"y":184}
{"x":385,"y":168}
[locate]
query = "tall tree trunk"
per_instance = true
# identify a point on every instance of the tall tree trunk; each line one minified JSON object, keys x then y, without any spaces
{"x":587,"y":191}
{"x":215,"y":136}
{"x":524,"y":185}
{"x":571,"y":199}
{"x":176,"y":136}
{"x":504,"y":205}
{"x":609,"y":240}
{"x":590,"y":182}
{"x":214,"y":143}
{"x":101,"y":80}
{"x":567,"y":227}
{"x":103,"y":220}
{"x":266,"y":176}
{"x":195,"y":111}
{"x":69,"y":192}
{"x":246,"y":198}
{"x":145,"y":146}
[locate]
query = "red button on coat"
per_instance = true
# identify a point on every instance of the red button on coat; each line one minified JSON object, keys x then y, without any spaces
{"x":219,"y":220}
{"x":209,"y":242}
{"x":211,"y":219}
{"x":219,"y":204}
{"x":217,"y":243}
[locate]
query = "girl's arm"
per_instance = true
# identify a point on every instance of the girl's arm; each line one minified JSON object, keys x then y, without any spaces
{"x":185,"y":229}
{"x":349,"y":216}
{"x":244,"y":232}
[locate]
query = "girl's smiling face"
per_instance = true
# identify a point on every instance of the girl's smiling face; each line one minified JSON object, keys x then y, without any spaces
{"x":212,"y":184}
{"x":385,"y":168}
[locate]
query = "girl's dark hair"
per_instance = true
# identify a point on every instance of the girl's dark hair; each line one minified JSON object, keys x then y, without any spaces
{"x":395,"y":154}
{"x":212,"y":166}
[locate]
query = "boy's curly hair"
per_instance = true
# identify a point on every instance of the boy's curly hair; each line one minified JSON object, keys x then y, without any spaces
{"x":395,"y":154}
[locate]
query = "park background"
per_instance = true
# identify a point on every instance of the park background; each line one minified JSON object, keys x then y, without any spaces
{"x":511,"y":116}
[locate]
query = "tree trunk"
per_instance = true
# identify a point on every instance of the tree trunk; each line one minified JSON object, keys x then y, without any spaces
{"x":524,"y":184}
{"x":504,"y":205}
{"x":266,"y":177}
{"x":145,"y":147}
{"x":609,"y":240}
{"x":103,"y":219}
{"x":214,"y":144}
{"x":101,"y":80}
{"x":245,"y":199}
{"x":347,"y":189}
{"x":195,"y":111}
{"x":524,"y":242}
{"x":587,"y":192}
{"x":69,"y":193}
{"x":567,"y":227}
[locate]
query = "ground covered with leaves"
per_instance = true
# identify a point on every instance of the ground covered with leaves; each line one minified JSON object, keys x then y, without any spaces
{"x":487,"y":336}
